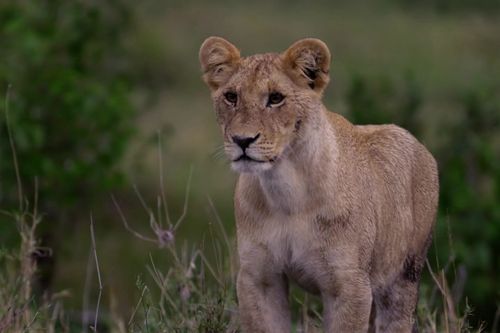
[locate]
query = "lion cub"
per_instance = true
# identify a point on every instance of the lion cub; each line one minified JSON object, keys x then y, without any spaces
{"x":344,"y":211}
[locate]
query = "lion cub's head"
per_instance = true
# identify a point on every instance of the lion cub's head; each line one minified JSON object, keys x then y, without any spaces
{"x":265,"y":103}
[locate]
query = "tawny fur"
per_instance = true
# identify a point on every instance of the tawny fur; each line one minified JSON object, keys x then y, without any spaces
{"x":344,"y":211}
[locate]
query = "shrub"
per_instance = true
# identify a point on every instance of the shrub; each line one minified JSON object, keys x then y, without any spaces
{"x":70,"y":115}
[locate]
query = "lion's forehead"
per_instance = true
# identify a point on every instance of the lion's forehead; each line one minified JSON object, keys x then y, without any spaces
{"x":260,"y":62}
{"x":257,"y":70}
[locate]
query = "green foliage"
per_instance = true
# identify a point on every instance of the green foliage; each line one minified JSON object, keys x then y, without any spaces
{"x":385,"y":101}
{"x":445,"y":6}
{"x":69,"y":108}
{"x":470,"y":193}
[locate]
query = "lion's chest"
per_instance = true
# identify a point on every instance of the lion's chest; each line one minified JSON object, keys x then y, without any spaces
{"x":294,"y":247}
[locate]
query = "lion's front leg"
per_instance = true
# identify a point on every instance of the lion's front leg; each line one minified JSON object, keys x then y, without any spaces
{"x":263,"y":302}
{"x":346,"y":308}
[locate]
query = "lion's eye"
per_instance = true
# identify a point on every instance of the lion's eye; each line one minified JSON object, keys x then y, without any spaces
{"x":275,"y":98}
{"x":231,"y":97}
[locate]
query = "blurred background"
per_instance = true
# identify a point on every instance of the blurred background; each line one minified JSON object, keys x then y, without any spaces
{"x":104,"y":98}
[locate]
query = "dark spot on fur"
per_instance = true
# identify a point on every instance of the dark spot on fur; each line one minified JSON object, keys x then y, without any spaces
{"x":298,"y":123}
{"x":412,"y":268}
{"x":298,"y":274}
{"x":385,"y":299}
{"x":341,"y":220}
{"x":325,"y":223}
{"x":413,"y":265}
{"x":265,"y":284}
{"x":294,"y":271}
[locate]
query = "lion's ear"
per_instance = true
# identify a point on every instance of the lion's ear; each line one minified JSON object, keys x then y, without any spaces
{"x":219,"y":59}
{"x":307,"y":62}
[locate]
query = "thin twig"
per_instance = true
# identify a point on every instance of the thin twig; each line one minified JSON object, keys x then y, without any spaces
{"x":53,"y":318}
{"x":448,"y":308}
{"x":452,"y":249}
{"x":210,"y":268}
{"x":26,"y":329}
{"x":164,"y":236}
{"x":35,"y":203}
{"x":159,"y":212}
{"x":186,"y":199}
{"x":98,"y":272}
{"x":496,"y":320}
{"x":13,"y":150}
{"x":125,"y":223}
{"x":224,"y":234}
{"x":137,"y":306}
{"x":141,"y":199}
{"x":219,"y":260}
{"x":162,"y":188}
{"x":162,"y":282}
{"x":86,"y":292}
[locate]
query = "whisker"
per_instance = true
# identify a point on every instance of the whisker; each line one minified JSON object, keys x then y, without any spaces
{"x":218,"y":149}
{"x":220,"y":156}
{"x":218,"y":152}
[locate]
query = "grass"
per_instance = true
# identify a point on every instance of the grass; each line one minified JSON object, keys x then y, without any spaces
{"x":193,"y":294}
{"x":20,"y":310}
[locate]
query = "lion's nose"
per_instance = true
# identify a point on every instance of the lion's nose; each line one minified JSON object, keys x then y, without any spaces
{"x":244,"y":141}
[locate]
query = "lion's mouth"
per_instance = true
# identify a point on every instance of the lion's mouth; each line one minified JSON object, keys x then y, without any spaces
{"x":247,"y":163}
{"x":245,"y":158}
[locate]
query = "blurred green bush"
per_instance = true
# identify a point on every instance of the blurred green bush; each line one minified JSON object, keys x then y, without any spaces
{"x":445,"y":6}
{"x":65,"y":92}
{"x":69,"y":106}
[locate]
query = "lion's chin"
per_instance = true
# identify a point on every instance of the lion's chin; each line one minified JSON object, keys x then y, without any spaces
{"x":248,"y":166}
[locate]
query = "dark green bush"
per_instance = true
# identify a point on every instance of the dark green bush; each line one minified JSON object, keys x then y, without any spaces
{"x":450,"y":6}
{"x":385,"y":100}
{"x":470,"y":195}
{"x":69,"y":109}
